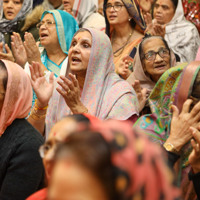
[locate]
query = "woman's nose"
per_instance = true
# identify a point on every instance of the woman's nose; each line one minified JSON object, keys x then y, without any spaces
{"x":76,"y":48}
{"x":158,"y":58}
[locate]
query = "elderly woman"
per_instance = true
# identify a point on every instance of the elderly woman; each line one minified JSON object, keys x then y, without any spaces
{"x":92,"y":86}
{"x":125,"y":27}
{"x":181,"y":35}
{"x":21,"y":170}
{"x":171,"y":93}
{"x":56,"y":30}
{"x":12,"y":18}
{"x":85,"y":12}
{"x":152,"y":59}
{"x":115,"y":161}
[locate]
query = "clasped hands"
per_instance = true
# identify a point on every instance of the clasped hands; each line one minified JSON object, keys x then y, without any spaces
{"x":22,"y":52}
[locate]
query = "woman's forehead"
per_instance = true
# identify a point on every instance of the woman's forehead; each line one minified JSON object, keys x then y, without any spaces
{"x":48,"y":16}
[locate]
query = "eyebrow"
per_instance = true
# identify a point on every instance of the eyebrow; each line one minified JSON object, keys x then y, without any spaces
{"x":83,"y":40}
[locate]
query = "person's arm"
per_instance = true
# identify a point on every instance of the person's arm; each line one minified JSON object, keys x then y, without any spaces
{"x":37,"y":116}
{"x":43,"y":91}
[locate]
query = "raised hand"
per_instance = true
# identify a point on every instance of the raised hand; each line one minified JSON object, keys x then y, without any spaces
{"x":180,"y":132}
{"x":42,"y":88}
{"x":8,"y":55}
{"x":18,"y":49}
{"x":194,"y":158}
{"x":123,"y":67}
{"x":141,"y":93}
{"x":153,"y":27}
{"x":70,"y":91}
{"x":32,"y":51}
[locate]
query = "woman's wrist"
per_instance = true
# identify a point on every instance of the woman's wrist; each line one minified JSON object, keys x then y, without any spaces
{"x":41,"y":105}
{"x":80,"y":108}
{"x":177,"y":146}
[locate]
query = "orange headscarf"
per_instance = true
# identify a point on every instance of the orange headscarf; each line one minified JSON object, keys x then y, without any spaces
{"x":18,"y":96}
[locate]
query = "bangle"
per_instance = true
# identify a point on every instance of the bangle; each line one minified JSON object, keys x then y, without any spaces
{"x":38,"y":108}
{"x":36,"y":116}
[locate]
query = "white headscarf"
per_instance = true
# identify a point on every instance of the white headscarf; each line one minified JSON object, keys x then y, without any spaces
{"x":82,"y":9}
{"x":182,"y":36}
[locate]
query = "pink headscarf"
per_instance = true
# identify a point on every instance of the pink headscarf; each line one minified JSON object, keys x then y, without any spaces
{"x":18,"y":96}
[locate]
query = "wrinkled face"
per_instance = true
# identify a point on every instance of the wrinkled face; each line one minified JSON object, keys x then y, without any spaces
{"x":118,"y":14}
{"x":163,"y":11}
{"x":3,"y":73}
{"x":11,"y":8}
{"x":58,"y":134}
{"x":68,"y":4}
{"x":72,"y":181}
{"x":79,"y":53}
{"x":155,"y":68}
{"x":47,"y":32}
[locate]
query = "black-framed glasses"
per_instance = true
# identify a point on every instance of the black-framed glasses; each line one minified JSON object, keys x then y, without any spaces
{"x":151,"y":55}
{"x":116,"y":7}
{"x":46,"y":23}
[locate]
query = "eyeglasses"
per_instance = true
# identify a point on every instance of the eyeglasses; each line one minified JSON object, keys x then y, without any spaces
{"x":44,"y":149}
{"x":116,"y":7}
{"x":151,"y":55}
{"x":46,"y":23}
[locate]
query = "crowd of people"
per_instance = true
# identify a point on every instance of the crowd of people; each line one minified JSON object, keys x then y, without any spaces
{"x":99,"y":99}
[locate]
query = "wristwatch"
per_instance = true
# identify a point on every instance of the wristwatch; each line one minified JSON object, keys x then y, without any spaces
{"x":170,"y":147}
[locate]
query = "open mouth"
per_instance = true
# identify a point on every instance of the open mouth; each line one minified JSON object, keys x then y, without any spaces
{"x":76,"y":60}
{"x":9,"y":13}
{"x":160,"y":66}
{"x":43,"y":35}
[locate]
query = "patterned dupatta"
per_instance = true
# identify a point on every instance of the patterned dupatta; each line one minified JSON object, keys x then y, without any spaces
{"x":173,"y":88}
{"x":104,"y":93}
{"x":66,"y":26}
{"x":167,"y":92}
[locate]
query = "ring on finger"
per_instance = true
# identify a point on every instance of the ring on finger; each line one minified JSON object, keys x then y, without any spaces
{"x":68,"y":91}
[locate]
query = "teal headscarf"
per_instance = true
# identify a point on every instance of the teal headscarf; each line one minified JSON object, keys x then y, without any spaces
{"x":66,"y":26}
